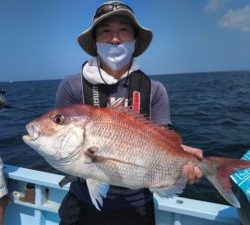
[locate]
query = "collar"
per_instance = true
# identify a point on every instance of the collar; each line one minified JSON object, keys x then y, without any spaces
{"x":91,"y":73}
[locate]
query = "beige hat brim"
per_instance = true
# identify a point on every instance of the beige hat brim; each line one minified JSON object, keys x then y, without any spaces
{"x":143,"y":37}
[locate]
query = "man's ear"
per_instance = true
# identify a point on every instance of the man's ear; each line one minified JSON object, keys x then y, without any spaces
{"x":136,"y":43}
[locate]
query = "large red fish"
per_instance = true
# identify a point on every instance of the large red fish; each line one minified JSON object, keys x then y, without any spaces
{"x":116,"y":146}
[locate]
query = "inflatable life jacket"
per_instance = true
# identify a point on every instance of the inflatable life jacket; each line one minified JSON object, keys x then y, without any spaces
{"x":139,"y":93}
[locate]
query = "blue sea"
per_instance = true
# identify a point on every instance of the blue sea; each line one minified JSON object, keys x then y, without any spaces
{"x":210,"y":110}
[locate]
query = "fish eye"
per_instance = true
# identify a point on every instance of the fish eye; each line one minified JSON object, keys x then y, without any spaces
{"x":59,"y":119}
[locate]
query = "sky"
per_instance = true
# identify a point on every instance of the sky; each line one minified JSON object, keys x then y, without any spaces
{"x":38,"y":38}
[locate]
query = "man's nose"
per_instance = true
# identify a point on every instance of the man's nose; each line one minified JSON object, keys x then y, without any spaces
{"x":115,"y":39}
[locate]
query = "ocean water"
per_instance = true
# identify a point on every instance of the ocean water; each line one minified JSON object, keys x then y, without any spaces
{"x":210,"y":110}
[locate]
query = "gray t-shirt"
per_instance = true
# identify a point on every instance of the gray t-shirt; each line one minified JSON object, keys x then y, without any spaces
{"x":70,"y":92}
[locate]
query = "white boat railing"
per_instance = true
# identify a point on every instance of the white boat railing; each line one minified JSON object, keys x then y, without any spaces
{"x":48,"y":196}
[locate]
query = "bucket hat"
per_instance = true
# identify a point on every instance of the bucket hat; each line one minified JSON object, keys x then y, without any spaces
{"x":109,"y":9}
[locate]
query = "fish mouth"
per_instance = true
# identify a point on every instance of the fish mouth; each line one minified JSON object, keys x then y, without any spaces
{"x":33,"y":133}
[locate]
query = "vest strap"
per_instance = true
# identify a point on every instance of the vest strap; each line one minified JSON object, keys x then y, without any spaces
{"x":96,"y":95}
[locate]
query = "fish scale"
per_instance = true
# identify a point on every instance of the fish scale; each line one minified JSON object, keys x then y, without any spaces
{"x":152,"y":173}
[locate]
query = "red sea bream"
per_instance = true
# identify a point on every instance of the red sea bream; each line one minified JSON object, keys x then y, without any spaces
{"x":116,"y":146}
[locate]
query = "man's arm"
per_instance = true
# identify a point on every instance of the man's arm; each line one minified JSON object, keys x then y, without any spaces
{"x":69,"y":91}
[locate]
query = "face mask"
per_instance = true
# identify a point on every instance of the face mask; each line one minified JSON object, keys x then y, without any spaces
{"x":115,"y":56}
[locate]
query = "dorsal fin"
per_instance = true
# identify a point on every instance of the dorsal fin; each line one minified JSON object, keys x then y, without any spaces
{"x":164,"y":133}
{"x":118,"y":106}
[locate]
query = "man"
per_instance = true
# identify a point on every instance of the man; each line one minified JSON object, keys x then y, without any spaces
{"x":114,"y":39}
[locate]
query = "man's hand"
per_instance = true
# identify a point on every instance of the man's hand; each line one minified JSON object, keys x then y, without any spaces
{"x":192,"y":172}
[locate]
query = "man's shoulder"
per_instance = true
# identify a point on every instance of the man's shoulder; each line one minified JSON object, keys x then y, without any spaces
{"x":157,"y":88}
{"x":71,"y":81}
{"x":156,"y":83}
{"x":72,"y":78}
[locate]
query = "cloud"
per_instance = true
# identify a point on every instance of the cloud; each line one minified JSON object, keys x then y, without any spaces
{"x":236,"y":19}
{"x":214,"y":5}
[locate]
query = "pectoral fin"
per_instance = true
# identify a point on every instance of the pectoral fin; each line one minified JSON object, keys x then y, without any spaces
{"x":90,"y":153}
{"x":97,"y":191}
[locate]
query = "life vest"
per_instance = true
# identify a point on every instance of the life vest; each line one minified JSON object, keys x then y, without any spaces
{"x":139,"y":93}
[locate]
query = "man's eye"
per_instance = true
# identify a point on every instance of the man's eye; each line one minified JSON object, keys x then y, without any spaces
{"x":124,"y":29}
{"x":103,"y":30}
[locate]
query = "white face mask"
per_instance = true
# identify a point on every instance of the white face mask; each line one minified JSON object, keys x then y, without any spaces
{"x":115,"y":56}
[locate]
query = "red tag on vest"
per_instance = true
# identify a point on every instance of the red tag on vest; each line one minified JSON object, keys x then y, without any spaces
{"x":136,"y":101}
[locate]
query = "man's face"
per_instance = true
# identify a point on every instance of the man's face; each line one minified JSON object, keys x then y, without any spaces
{"x":114,"y":31}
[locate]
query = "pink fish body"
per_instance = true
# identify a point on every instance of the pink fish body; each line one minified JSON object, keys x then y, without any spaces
{"x":116,"y":146}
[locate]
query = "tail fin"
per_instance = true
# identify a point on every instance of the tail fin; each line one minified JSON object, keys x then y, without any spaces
{"x":219,"y":170}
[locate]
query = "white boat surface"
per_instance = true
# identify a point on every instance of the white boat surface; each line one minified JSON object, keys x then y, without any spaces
{"x":48,"y":196}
